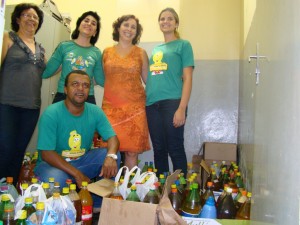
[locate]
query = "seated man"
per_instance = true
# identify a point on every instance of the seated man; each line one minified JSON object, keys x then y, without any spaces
{"x":65,"y":134}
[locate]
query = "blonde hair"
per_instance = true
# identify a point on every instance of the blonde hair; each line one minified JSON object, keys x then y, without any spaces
{"x":176,"y":17}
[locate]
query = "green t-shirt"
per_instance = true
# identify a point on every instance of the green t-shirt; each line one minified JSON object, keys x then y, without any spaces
{"x":71,"y":136}
{"x":74,"y":57}
{"x":166,"y":69}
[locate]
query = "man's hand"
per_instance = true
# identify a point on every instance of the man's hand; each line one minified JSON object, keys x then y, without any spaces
{"x":79,"y":177}
{"x":109,"y":168}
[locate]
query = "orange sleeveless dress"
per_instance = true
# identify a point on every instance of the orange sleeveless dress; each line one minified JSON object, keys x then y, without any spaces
{"x":124,"y":99}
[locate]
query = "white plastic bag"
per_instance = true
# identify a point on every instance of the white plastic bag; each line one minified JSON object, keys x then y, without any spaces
{"x":32,"y":190}
{"x":143,"y":188}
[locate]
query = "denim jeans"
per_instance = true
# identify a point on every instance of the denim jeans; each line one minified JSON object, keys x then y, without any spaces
{"x":166,"y":139}
{"x":61,"y":96}
{"x":16,"y":128}
{"x":90,"y":165}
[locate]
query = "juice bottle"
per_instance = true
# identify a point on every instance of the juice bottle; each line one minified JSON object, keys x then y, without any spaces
{"x":175,"y":199}
{"x":133,"y":195}
{"x":87,"y":204}
{"x":8,"y":214}
{"x":116,"y":194}
{"x":73,"y":195}
{"x":28,"y":207}
{"x":208,"y":192}
{"x":22,"y":218}
{"x":152,"y":196}
{"x":46,"y":188}
{"x":192,"y":206}
{"x":244,"y":211}
{"x":40,"y":210}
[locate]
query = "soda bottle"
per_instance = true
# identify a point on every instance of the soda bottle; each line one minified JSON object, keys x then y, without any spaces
{"x":152,"y":196}
{"x":8,"y":214}
{"x":28,"y":207}
{"x":73,"y":195}
{"x":175,"y":199}
{"x":208,"y":192}
{"x":11,"y":188}
{"x":145,"y":167}
{"x":116,"y":194}
{"x":226,"y":208}
{"x":40,"y":209}
{"x":244,"y":211}
{"x":133,"y":195}
{"x":5,"y":200}
{"x":192,"y":206}
{"x":86,"y":203}
{"x":209,"y":209}
{"x":22,"y":218}
{"x":47,"y":191}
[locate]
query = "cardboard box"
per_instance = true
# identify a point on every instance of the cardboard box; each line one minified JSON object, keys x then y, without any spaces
{"x":215,"y":151}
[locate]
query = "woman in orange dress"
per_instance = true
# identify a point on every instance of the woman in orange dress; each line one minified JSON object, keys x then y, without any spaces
{"x":125,"y":69}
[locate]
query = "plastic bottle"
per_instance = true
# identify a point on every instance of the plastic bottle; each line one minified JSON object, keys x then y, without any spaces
{"x":192,"y":206}
{"x":86,"y":203}
{"x":180,"y":189}
{"x":65,"y":191}
{"x":151,"y":165}
{"x":226,"y":208}
{"x":57,"y":206}
{"x":40,"y":210}
{"x":116,"y":194}
{"x":8,"y":214}
{"x":73,"y":195}
{"x":24,"y":187}
{"x":133,"y":195}
{"x":209,"y":209}
{"x":239,"y":181}
{"x":244,"y":211}
{"x":215,"y":181}
{"x":152,"y":196}
{"x":208,"y":192}
{"x":175,"y":199}
{"x":11,"y":188}
{"x":34,"y":190}
{"x":68,"y":182}
{"x":162,"y":181}
{"x":5,"y":200}
{"x":182,"y":180}
{"x":47,"y":191}
{"x":56,"y":188}
{"x":22,"y":218}
{"x":51,"y":184}
{"x":28,"y":207}
{"x":145,"y":167}
{"x":240,"y":199}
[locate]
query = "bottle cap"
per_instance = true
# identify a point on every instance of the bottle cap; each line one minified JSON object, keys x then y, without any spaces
{"x":72,"y":187}
{"x":45,"y":185}
{"x":66,"y":190}
{"x":40,"y":205}
{"x":133,"y":187}
{"x":28,"y":200}
{"x":51,"y":179}
{"x":56,"y":195}
{"x":34,"y":180}
{"x":84,"y":183}
{"x":9,"y":179}
{"x":5,"y":198}
{"x":24,"y":186}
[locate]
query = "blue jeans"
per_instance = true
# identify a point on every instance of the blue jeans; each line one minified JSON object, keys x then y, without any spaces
{"x":61,"y":96}
{"x":16,"y":128}
{"x":166,"y":139}
{"x":90,"y":165}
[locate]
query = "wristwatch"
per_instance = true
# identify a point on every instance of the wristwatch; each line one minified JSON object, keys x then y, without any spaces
{"x":114,"y":156}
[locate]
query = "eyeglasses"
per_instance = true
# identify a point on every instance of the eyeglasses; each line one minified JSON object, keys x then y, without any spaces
{"x":27,"y":16}
{"x":76,"y":84}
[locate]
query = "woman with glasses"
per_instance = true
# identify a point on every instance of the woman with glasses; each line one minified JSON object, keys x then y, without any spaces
{"x":22,"y":65}
{"x":80,"y":53}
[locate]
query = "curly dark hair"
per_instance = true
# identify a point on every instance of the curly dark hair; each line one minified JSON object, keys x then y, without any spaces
{"x":116,"y":25}
{"x":75,"y":33}
{"x":16,"y":14}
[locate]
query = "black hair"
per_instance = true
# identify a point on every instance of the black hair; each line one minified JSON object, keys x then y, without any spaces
{"x":75,"y":33}
{"x":77,"y":72}
{"x":19,"y":10}
{"x":116,"y":25}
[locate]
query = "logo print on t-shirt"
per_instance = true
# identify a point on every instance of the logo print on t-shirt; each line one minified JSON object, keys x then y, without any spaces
{"x":75,"y":146}
{"x":79,"y":63}
{"x":158,"y":66}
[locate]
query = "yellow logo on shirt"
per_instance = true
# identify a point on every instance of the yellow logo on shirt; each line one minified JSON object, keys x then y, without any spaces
{"x":74,"y":144}
{"x":158,"y":66}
